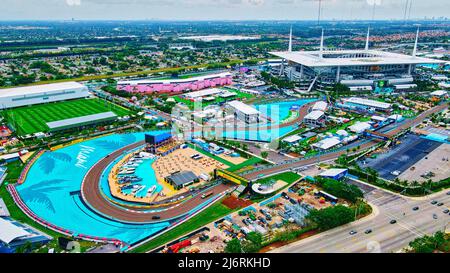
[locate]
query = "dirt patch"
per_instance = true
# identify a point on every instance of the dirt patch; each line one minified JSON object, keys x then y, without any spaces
{"x":233,"y":202}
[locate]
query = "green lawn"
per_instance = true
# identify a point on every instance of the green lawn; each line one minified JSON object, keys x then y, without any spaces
{"x":214,"y":212}
{"x":33,"y":119}
{"x":288,"y":177}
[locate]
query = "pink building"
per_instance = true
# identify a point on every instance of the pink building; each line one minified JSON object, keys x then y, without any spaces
{"x":175,"y":85}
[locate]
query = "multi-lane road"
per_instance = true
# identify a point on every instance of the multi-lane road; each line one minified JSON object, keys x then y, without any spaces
{"x":385,"y":237}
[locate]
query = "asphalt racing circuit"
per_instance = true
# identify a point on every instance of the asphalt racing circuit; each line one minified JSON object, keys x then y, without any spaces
{"x":92,"y":195}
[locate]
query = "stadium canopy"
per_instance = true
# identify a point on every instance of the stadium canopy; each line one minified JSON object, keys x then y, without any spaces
{"x":332,"y":58}
{"x":9,"y":232}
{"x":81,"y":121}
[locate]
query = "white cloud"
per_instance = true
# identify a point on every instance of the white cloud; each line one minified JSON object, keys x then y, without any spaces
{"x":374,"y":2}
{"x":73,"y":2}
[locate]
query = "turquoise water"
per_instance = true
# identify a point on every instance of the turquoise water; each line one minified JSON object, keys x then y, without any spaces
{"x":146,"y":172}
{"x":277,"y":111}
{"x":55,"y":175}
{"x":437,"y":137}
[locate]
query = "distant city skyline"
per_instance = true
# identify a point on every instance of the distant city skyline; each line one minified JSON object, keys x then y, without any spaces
{"x":222,"y":9}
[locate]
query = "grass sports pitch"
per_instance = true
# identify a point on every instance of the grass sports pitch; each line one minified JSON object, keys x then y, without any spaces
{"x":33,"y":119}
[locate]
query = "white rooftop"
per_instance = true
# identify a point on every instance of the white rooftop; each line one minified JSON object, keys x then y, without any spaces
{"x":38,"y":89}
{"x":169,"y":81}
{"x":439,"y":93}
{"x":312,"y":58}
{"x":292,"y":139}
{"x":9,"y":232}
{"x":333,"y":172}
{"x":244,"y":108}
{"x":320,"y":105}
{"x":327,"y":143}
{"x":378,"y":118}
{"x":315,"y":115}
{"x":366,"y":102}
{"x":203,"y":93}
{"x":359,"y":127}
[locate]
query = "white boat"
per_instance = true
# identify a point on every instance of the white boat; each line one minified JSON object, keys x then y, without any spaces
{"x":137,"y":188}
{"x":125,"y":172}
{"x":151,"y":190}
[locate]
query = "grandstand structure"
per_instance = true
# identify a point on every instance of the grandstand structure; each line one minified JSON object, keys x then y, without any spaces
{"x":161,"y":144}
{"x":38,"y":94}
{"x":175,"y":86}
{"x":355,"y":68}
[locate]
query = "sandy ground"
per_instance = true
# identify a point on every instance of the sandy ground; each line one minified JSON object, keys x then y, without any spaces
{"x":179,"y":160}
{"x":434,"y":163}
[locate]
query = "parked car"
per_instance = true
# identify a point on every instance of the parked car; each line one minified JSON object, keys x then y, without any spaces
{"x":416,"y":208}
{"x":368,"y":231}
{"x":353,"y":232}
{"x":440,"y":204}
{"x":393,"y":221}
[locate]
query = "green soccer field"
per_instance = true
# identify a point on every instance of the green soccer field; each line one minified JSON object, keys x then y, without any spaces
{"x":33,"y":119}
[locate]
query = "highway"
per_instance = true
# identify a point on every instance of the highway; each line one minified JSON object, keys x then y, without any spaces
{"x":385,"y":237}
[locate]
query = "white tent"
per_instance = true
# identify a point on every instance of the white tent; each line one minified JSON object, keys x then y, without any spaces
{"x":9,"y":232}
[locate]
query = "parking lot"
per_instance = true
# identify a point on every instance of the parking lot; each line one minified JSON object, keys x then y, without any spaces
{"x":409,"y":151}
{"x":436,"y":166}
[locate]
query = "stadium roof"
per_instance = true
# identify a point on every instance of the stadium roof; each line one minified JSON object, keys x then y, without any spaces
{"x":169,"y":81}
{"x":9,"y":232}
{"x":376,"y":57}
{"x":182,"y":178}
{"x":71,"y":122}
{"x":38,"y":89}
{"x":244,"y":108}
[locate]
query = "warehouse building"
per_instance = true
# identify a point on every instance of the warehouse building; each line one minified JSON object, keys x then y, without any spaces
{"x":30,"y":95}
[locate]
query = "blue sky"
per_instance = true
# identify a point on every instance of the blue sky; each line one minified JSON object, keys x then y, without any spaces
{"x":218,"y":9}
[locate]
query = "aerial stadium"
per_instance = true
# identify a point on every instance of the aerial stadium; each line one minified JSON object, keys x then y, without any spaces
{"x":353,"y":68}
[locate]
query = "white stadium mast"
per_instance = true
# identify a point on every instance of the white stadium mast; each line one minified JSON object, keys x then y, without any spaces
{"x":321,"y":46}
{"x":290,"y":41}
{"x":367,"y":39}
{"x":415,"y":43}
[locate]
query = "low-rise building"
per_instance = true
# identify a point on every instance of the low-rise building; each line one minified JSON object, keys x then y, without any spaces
{"x":315,"y":118}
{"x":360,"y":127}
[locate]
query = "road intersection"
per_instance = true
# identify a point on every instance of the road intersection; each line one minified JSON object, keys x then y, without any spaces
{"x":385,"y":237}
